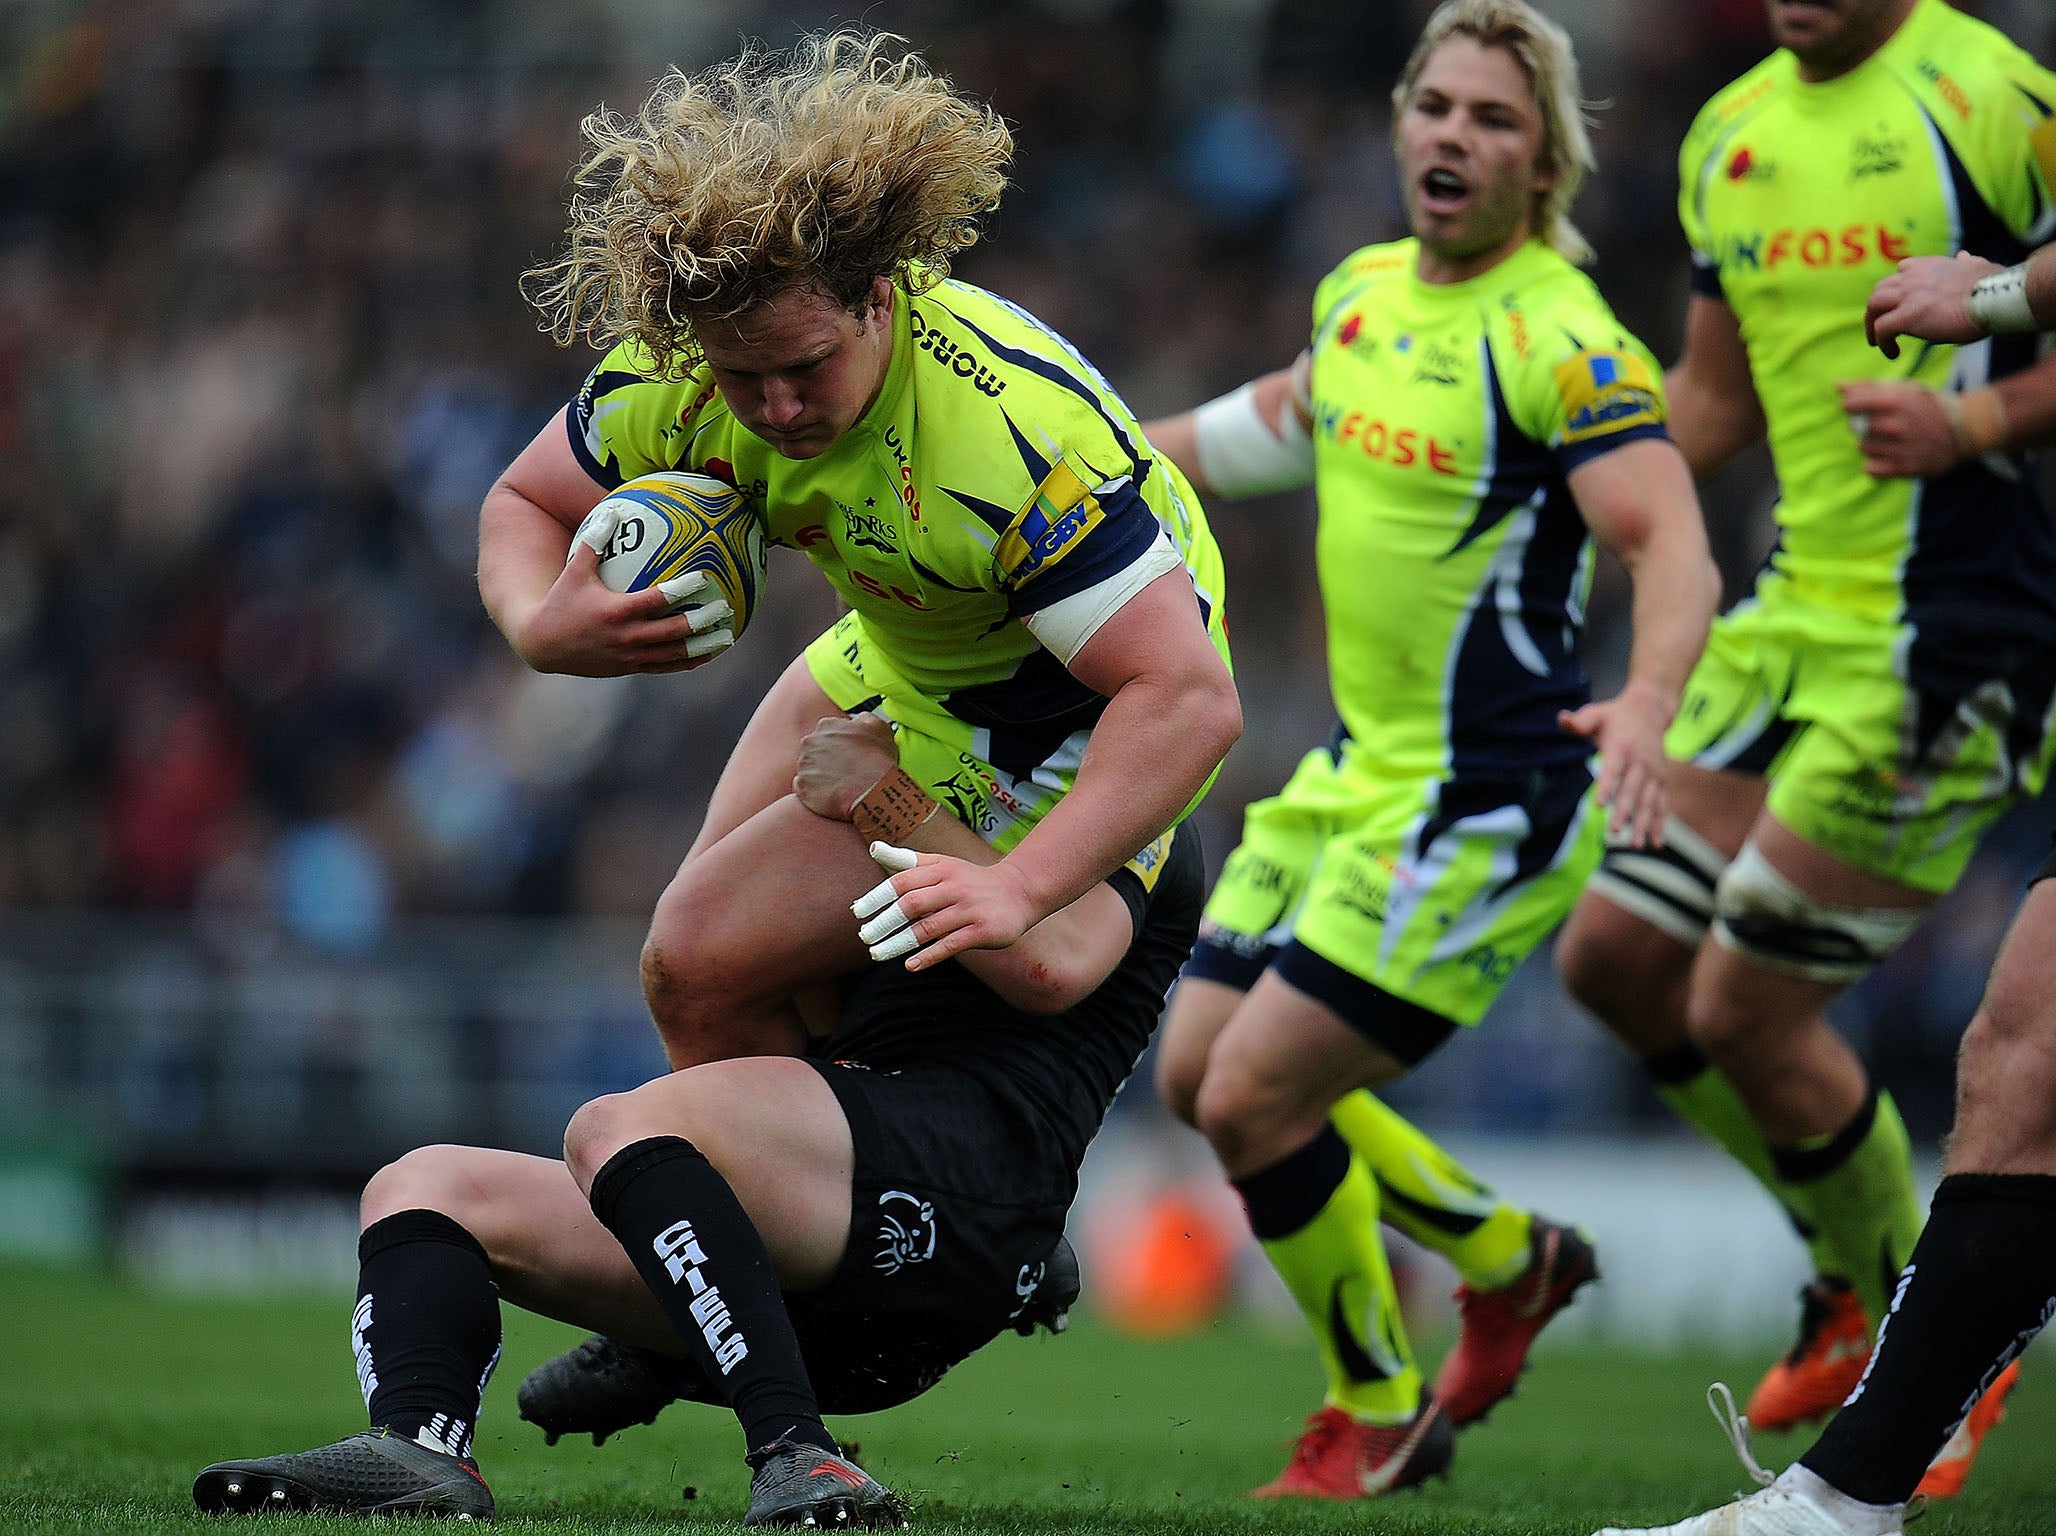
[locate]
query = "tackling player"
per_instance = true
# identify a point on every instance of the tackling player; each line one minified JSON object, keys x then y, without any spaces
{"x":1472,"y":415}
{"x":784,"y":1237}
{"x":1883,"y":696}
{"x":1034,"y":597}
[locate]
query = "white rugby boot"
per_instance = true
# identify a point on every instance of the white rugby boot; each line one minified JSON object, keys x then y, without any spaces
{"x":1796,"y":1502}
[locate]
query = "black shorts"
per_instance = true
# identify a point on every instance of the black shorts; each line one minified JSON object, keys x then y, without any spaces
{"x":2046,"y":870}
{"x":954,"y":1210}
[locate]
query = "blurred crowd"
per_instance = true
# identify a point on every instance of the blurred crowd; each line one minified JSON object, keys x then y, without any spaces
{"x":262,"y":351}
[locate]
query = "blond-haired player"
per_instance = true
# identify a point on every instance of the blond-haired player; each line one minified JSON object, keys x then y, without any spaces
{"x":1034,"y":599}
{"x":1472,"y":417}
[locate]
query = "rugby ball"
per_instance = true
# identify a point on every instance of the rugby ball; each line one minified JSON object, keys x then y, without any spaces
{"x":666,"y":529}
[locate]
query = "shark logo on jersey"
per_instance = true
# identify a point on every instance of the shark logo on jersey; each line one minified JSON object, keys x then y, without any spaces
{"x":868,"y":529}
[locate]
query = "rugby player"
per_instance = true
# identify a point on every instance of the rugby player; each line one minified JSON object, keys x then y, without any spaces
{"x":1035,"y":600}
{"x":1472,"y":415}
{"x":1882,"y":697}
{"x":1982,"y":1280}
{"x":785,"y":1237}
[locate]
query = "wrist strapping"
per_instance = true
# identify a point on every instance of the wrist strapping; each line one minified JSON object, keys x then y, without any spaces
{"x":1977,"y":421}
{"x":890,"y":810}
{"x":1998,"y":302}
{"x":1239,"y":452}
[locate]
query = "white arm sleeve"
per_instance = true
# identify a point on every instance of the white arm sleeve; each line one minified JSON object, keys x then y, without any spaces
{"x":1239,"y":454}
{"x":1065,"y":625}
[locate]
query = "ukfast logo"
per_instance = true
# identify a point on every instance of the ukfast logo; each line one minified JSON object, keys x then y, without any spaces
{"x":683,"y":1260}
{"x":1852,"y":245}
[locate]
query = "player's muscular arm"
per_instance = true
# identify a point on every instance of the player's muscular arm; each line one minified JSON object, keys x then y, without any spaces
{"x":1250,"y":441}
{"x":1639,"y":502}
{"x":1171,"y":715}
{"x":1714,"y":411}
{"x":557,"y":615}
{"x":1051,"y":966}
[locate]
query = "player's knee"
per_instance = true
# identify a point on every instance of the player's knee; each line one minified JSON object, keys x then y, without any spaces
{"x":1722,"y":1026}
{"x":425,"y":1179}
{"x":1627,"y":976}
{"x":1630,"y":941}
{"x":1178,"y":1075}
{"x":1590,"y":962}
{"x":690,"y":999}
{"x":598,"y":1129}
{"x":1233,"y":1110}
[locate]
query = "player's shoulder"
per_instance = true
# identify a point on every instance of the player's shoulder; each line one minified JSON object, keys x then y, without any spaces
{"x":993,"y":347}
{"x":1742,"y":98}
{"x":1944,"y":47}
{"x":1548,"y":309}
{"x":626,"y":379}
{"x":1365,"y":268}
{"x":1987,"y":97}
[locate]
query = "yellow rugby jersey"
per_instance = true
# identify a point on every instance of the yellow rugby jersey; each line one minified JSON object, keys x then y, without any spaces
{"x":1453,"y":564}
{"x":996,"y":473}
{"x":1796,"y":199}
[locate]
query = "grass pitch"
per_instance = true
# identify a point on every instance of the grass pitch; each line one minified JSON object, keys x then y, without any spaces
{"x":111,"y":1398}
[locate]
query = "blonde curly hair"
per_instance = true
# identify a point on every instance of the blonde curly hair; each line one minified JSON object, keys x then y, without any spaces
{"x":844,"y":161}
{"x":1543,"y":51}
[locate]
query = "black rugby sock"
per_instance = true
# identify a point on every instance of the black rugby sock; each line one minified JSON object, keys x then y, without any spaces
{"x":1282,"y":1197}
{"x":426,"y":1329}
{"x":1980,"y":1285}
{"x":702,"y":1258}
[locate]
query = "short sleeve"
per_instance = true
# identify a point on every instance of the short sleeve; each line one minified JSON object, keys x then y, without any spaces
{"x":1598,"y":397}
{"x":623,"y":423}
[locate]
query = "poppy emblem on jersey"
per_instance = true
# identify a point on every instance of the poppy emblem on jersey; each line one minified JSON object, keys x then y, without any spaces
{"x":1351,"y":329}
{"x":1745,"y":165}
{"x":906,"y":1231}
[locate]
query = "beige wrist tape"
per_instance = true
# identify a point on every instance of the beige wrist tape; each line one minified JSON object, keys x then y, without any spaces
{"x":890,"y":810}
{"x":1977,"y":420}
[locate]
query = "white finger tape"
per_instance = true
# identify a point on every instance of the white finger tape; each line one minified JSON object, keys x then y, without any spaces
{"x":678,"y":588}
{"x":596,"y":531}
{"x":896,"y":860}
{"x":873,"y":900}
{"x":713,"y":640}
{"x":709,"y":616}
{"x":891,"y":920}
{"x":901,"y":943}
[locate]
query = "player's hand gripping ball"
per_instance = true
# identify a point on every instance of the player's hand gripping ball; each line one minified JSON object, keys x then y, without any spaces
{"x":693,"y":538}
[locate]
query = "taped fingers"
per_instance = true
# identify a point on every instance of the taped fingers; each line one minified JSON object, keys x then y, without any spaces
{"x":889,"y":921}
